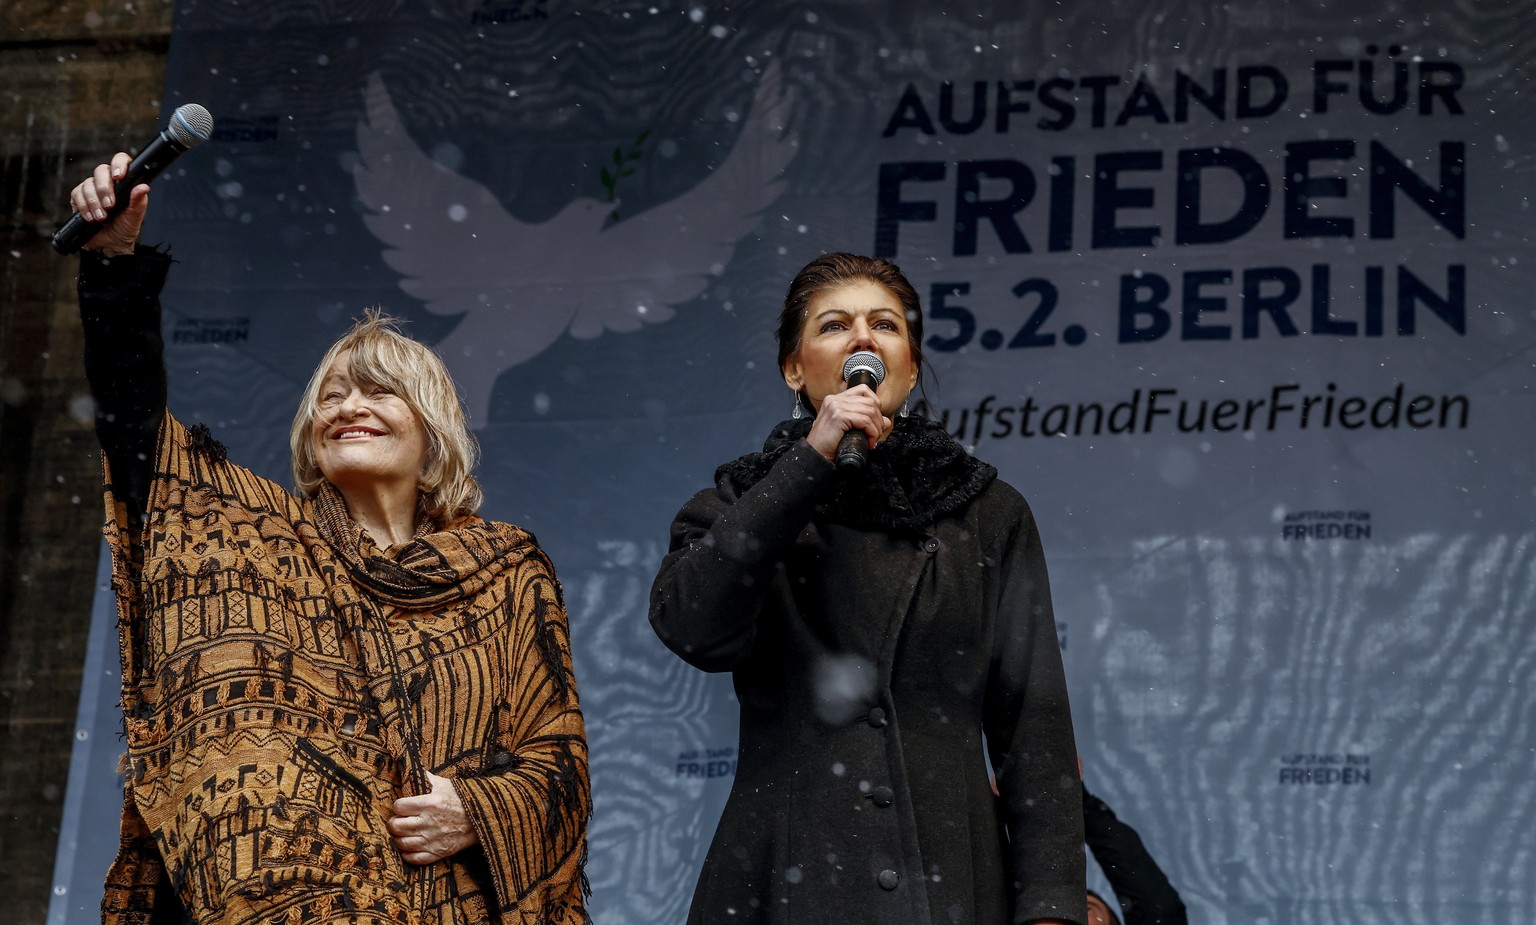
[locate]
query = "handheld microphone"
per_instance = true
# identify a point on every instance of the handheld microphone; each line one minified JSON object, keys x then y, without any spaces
{"x":862,"y":368}
{"x":189,"y":127}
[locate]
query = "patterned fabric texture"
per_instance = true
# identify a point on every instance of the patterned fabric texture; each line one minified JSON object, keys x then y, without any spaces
{"x":285,"y":681}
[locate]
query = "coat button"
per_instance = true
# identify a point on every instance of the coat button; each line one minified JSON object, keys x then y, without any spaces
{"x":931,"y":544}
{"x":888,"y":879}
{"x":876,"y":718}
{"x":883,"y":796}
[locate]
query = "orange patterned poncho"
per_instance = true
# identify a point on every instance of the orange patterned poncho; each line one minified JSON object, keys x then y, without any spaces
{"x":285,"y":681}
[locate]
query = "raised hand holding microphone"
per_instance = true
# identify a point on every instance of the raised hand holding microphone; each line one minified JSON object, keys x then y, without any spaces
{"x":112,"y":219}
{"x":109,"y":190}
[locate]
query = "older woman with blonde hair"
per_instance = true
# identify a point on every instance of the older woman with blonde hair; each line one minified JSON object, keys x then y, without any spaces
{"x":377,"y":356}
{"x":351,"y":705}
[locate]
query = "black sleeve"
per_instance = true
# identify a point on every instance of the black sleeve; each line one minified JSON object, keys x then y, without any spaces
{"x":1146,"y":897}
{"x":711,"y":586}
{"x":125,"y":363}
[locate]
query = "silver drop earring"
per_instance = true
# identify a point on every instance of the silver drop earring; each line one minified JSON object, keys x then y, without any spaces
{"x":906,"y":408}
{"x":797,"y":412}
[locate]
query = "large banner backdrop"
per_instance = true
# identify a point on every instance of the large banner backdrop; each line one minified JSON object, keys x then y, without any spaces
{"x":1239,"y":295}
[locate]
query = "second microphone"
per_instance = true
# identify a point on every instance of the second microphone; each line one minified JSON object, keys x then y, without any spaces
{"x":862,"y":368}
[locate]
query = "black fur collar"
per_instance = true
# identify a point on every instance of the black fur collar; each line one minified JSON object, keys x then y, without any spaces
{"x":916,"y":476}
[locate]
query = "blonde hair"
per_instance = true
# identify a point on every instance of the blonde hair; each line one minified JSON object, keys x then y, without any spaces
{"x":380,"y":355}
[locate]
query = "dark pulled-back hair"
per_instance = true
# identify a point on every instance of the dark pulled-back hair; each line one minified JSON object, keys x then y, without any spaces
{"x":833,"y":271}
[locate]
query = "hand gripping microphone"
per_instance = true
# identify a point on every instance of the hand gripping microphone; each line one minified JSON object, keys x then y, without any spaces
{"x":189,"y":127}
{"x":862,"y":368}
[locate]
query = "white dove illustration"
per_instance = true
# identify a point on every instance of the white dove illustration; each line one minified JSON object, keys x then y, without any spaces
{"x":519,"y":285}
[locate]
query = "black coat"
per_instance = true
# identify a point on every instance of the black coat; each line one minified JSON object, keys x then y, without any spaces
{"x":868,"y":663}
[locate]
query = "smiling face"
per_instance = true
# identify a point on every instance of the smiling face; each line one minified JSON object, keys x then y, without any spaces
{"x":363,"y":434}
{"x":860,"y":315}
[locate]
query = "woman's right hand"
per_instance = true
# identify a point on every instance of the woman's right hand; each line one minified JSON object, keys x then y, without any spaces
{"x":94,"y":197}
{"x":853,"y":409}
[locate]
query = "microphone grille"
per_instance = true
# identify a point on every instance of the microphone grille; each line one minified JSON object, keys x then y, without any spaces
{"x":866,"y":361}
{"x":190,"y":125}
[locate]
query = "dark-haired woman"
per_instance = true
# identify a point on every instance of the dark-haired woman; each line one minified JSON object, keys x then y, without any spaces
{"x":880,"y":624}
{"x":354,"y":705}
